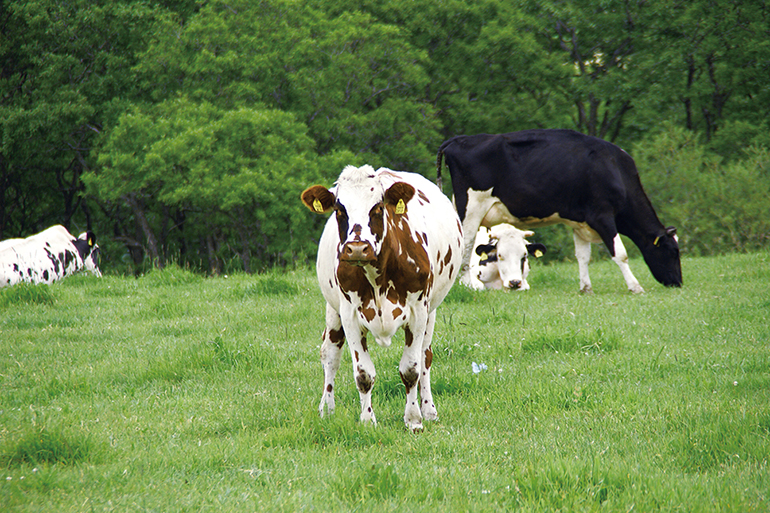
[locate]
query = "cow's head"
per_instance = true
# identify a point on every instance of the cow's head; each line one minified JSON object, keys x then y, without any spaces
{"x":512,"y":254}
{"x":91,"y":260}
{"x":662,"y":257}
{"x":362,"y":207}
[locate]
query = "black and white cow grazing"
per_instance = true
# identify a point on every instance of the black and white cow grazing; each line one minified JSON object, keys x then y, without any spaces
{"x":386,"y":260}
{"x":500,"y":259}
{"x":47,"y":256}
{"x":540,"y":177}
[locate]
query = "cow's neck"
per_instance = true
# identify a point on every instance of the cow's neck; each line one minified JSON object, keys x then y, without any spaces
{"x":640,"y":223}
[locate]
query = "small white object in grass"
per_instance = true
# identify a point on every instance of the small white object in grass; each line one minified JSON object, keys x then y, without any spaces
{"x":478,"y":367}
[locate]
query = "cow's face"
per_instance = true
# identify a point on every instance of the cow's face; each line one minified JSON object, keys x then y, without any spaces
{"x":662,"y":257}
{"x":513,"y":255}
{"x":361,"y":207}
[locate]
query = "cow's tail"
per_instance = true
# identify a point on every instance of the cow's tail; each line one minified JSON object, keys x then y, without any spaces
{"x":439,"y":156}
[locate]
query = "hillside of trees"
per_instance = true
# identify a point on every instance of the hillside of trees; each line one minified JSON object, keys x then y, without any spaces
{"x":185,"y":130}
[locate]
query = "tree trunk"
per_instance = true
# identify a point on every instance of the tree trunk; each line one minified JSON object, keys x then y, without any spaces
{"x":141,"y":218}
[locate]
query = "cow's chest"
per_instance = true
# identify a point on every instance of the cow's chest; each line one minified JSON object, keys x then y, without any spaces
{"x":380,"y":305}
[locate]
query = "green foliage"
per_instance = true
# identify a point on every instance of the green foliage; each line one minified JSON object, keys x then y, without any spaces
{"x":716,"y":206}
{"x":185,"y":131}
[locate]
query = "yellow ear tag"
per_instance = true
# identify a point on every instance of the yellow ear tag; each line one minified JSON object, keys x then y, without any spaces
{"x":538,"y":253}
{"x":400,"y":207}
{"x":483,"y":257}
{"x":317,"y":206}
{"x":655,"y":243}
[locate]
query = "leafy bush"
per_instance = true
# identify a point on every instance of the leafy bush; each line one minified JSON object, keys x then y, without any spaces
{"x":717,"y":207}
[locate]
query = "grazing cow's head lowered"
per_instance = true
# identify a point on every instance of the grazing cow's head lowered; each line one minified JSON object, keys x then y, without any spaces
{"x":662,"y":257}
{"x":360,"y":204}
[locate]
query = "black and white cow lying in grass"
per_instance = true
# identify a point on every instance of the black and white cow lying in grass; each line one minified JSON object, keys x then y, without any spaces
{"x":47,"y":256}
{"x":501,"y":258}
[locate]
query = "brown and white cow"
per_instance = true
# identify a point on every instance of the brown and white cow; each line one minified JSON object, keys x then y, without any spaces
{"x":386,"y":260}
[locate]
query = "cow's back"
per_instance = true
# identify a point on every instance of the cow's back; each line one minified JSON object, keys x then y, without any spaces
{"x":537,"y":173}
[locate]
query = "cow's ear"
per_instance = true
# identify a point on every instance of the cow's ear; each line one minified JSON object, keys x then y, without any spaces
{"x":318,"y":199}
{"x":399,"y":195}
{"x":484,"y":249}
{"x":536,"y":249}
{"x":91,"y":238}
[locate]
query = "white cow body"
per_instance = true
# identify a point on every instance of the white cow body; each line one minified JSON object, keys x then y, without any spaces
{"x":386,"y":260}
{"x":47,"y":256}
{"x":483,"y":266}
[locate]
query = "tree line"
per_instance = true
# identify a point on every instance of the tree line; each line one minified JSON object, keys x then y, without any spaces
{"x":184,"y":130}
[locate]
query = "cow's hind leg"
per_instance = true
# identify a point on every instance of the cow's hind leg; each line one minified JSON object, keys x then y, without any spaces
{"x":331,"y":355}
{"x":427,"y":406}
{"x":583,"y":255}
{"x":410,"y":367}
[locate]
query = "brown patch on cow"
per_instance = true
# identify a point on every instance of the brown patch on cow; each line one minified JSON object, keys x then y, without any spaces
{"x":364,"y":381}
{"x":410,"y":378}
{"x":337,"y":337}
{"x":392,"y":296}
{"x":422,"y":196}
{"x":408,"y":337}
{"x":376,"y":221}
{"x":369,"y":313}
{"x":397,"y":312}
{"x":355,"y":355}
{"x":448,"y":257}
{"x":329,"y":388}
{"x":364,"y":346}
{"x":428,"y":357}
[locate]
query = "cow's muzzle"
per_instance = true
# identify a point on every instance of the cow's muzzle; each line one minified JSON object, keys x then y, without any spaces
{"x":357,"y":253}
{"x":514,"y":284}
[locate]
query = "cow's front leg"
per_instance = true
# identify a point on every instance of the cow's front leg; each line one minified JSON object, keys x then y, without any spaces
{"x":410,"y":367}
{"x":621,"y":258}
{"x":363,"y":368}
{"x":331,"y":355}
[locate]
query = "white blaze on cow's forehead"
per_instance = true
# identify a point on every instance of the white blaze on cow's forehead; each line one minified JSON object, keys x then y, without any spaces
{"x":358,"y":186}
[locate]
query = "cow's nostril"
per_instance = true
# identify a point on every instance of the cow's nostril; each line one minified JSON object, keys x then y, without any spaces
{"x":515,"y":284}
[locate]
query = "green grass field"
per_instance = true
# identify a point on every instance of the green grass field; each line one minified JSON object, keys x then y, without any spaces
{"x":174,"y":392}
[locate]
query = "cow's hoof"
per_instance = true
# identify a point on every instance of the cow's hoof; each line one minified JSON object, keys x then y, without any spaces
{"x":415,"y":428}
{"x":368,"y":419}
{"x":429,"y":413}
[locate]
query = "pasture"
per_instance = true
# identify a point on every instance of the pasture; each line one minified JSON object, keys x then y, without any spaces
{"x":175,"y":392}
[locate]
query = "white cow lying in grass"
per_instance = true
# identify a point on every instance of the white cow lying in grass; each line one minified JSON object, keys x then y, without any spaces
{"x":47,"y":256}
{"x":500,"y":258}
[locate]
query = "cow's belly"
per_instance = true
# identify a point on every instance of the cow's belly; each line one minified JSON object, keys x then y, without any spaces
{"x":498,"y":213}
{"x":382,"y":321}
